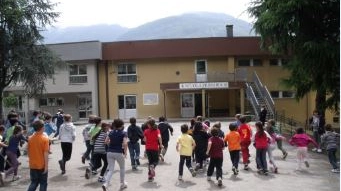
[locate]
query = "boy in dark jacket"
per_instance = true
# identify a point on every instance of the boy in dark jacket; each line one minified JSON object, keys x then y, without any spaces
{"x":164,"y":128}
{"x":134,"y":134}
{"x":331,"y":140}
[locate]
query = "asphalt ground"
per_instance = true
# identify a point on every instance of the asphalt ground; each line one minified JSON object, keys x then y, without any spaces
{"x":317,"y":177}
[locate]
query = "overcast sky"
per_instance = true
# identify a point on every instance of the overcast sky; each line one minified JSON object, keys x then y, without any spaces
{"x":132,"y":13}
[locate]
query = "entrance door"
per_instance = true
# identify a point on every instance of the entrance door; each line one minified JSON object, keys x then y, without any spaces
{"x":84,"y":106}
{"x":187,"y":105}
{"x":126,"y":106}
{"x":198,"y":105}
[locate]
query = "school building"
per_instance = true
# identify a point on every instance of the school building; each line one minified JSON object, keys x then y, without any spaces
{"x":183,"y":78}
{"x":175,"y":78}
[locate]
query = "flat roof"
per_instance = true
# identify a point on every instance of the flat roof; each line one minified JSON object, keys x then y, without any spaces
{"x":190,"y":47}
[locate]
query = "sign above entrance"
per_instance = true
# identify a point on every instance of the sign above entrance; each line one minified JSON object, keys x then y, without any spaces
{"x":208,"y":85}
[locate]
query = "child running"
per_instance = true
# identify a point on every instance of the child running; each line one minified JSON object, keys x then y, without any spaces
{"x":185,"y":146}
{"x":99,"y":153}
{"x":332,"y":141}
{"x":233,"y":141}
{"x":152,"y":138}
{"x":272,"y":144}
{"x":261,"y":139}
{"x":245,"y":133}
{"x":215,"y":149}
{"x":134,"y":135}
{"x":11,"y":152}
{"x":302,"y":140}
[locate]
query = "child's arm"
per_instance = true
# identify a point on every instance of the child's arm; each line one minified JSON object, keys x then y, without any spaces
{"x":208,"y":147}
{"x":312,"y":141}
{"x":3,"y":144}
{"x":193,"y":144}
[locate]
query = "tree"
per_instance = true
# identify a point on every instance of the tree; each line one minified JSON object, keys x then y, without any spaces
{"x":23,"y":58}
{"x":308,"y":32}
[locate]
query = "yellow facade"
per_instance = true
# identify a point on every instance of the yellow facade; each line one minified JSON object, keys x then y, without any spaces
{"x":226,"y":102}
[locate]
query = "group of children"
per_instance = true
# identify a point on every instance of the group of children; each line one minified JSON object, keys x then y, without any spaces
{"x":238,"y":140}
{"x":198,"y":142}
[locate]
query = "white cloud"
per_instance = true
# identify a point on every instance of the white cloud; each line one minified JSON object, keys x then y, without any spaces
{"x":131,"y":13}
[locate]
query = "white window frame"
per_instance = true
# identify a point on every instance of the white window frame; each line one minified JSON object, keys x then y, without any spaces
{"x":78,"y":78}
{"x":132,"y":78}
{"x":196,"y":66}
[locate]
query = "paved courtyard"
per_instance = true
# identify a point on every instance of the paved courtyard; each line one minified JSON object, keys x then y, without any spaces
{"x":318,"y":177}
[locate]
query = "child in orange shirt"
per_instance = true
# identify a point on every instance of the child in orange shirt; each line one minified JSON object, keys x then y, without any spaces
{"x":233,"y":141}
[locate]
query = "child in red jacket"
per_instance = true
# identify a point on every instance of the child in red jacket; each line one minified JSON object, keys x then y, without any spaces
{"x":262,"y":140}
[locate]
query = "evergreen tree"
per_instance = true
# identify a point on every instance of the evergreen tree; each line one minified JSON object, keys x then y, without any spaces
{"x":24,"y":60}
{"x":308,"y":32}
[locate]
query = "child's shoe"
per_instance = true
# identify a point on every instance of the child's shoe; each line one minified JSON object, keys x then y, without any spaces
{"x":306,"y":164}
{"x":87,"y":173}
{"x":123,"y":185}
{"x":104,"y":187}
{"x":209,"y":178}
{"x":16,"y":177}
{"x":220,"y":182}
{"x":152,"y":171}
{"x":276,"y":170}
{"x":179,"y":177}
{"x":246,"y":167}
{"x":265,"y":172}
{"x":193,"y":172}
{"x":335,"y":170}
{"x":234,"y":170}
{"x":2,"y":178}
{"x":101,"y":179}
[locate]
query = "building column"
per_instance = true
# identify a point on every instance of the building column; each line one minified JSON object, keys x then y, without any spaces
{"x":242,"y":100}
{"x":203,"y":98}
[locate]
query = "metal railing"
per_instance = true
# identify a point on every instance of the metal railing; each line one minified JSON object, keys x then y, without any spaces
{"x":270,"y":105}
{"x":252,"y":98}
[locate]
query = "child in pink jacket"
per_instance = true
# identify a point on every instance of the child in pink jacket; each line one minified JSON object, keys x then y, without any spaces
{"x":302,"y":140}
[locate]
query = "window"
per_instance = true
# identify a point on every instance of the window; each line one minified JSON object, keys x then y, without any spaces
{"x":285,"y":62}
{"x":78,"y":74}
{"x":126,"y":73}
{"x":274,"y":94}
{"x":244,"y":62}
{"x":42,"y":102}
{"x":282,"y":94}
{"x":250,"y":62}
{"x":51,"y":101}
{"x":256,"y":62}
{"x":200,"y":66}
{"x":274,"y":62}
{"x":287,"y":94}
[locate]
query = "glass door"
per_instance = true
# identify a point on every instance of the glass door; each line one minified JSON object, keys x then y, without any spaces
{"x":126,"y":106}
{"x":84,"y":106}
{"x":187,"y":105}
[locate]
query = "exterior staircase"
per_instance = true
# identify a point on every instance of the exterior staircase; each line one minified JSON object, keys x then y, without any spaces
{"x":258,"y":95}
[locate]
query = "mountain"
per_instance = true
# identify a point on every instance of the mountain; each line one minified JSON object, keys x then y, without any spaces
{"x":104,"y":33}
{"x":189,"y":25}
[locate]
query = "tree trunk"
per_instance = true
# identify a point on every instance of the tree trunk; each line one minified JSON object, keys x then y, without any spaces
{"x":2,"y":118}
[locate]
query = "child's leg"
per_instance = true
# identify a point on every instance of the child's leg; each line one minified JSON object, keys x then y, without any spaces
{"x":300,"y":157}
{"x":210,"y":168}
{"x":188,"y":162}
{"x":332,"y":158}
{"x":218,"y":166}
{"x":270,"y":154}
{"x":181,"y":165}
